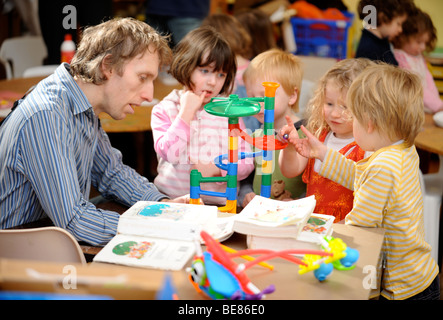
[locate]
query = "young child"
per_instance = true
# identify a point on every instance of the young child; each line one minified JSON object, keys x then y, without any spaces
{"x":240,"y":42}
{"x":286,"y":69}
{"x":260,"y":29}
{"x":185,"y":136}
{"x":375,"y":42}
{"x":331,"y":122}
{"x":418,"y":36}
{"x":385,"y":104}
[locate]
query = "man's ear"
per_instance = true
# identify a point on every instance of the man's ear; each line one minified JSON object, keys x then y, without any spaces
{"x":106,"y":68}
{"x":293,"y":97}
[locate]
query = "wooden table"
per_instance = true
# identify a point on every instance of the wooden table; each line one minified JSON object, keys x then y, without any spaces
{"x":341,"y":285}
{"x":431,"y":138}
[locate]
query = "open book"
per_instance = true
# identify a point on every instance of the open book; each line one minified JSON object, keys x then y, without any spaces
{"x":160,"y":234}
{"x":315,"y":229}
{"x":268,"y":217}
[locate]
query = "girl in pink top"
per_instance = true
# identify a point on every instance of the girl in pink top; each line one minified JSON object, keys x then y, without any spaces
{"x":185,"y":136}
{"x":418,"y":36}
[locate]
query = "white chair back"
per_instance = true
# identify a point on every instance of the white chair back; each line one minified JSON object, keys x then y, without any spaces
{"x":22,"y":53}
{"x":43,"y":244}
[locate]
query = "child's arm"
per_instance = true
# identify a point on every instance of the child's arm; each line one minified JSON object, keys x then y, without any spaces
{"x":310,"y":147}
{"x":375,"y":196}
{"x":335,"y":166}
{"x":246,"y":191}
{"x":292,"y":162}
{"x":170,"y":135}
{"x":190,"y":103}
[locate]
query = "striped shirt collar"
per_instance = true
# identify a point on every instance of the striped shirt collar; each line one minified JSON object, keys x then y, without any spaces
{"x":81,"y":103}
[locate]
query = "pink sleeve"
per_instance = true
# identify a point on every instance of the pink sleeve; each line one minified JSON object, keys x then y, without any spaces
{"x":170,"y":135}
{"x":400,"y":56}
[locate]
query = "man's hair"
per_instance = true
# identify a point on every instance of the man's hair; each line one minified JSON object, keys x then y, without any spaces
{"x":200,"y":48}
{"x":417,"y":24}
{"x":391,"y":98}
{"x":387,"y":10}
{"x":114,"y":43}
{"x":280,"y":66}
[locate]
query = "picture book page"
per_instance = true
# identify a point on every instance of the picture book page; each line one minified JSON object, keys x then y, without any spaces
{"x":268,"y":212}
{"x":147,"y":252}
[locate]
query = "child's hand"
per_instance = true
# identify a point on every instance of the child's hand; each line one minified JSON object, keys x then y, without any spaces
{"x":310,"y":147}
{"x":182,"y":199}
{"x":190,"y":103}
{"x":248,"y":197}
{"x":288,"y":131}
{"x":207,"y":169}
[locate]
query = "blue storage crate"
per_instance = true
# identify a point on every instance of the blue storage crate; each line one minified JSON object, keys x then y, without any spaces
{"x":324,"y":38}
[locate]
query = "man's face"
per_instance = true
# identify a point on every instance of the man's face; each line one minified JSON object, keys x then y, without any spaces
{"x":132,"y":87}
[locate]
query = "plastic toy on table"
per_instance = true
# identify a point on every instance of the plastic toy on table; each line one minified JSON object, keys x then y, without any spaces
{"x":215,"y":273}
{"x":234,"y":108}
{"x":342,"y":258}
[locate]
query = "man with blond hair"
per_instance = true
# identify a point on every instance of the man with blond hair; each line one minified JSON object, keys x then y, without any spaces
{"x":52,"y":147}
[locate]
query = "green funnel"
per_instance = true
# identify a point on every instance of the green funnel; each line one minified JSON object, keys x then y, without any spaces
{"x":233,"y":106}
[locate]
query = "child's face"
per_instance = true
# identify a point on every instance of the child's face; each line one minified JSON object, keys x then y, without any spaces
{"x":282,"y":102}
{"x":336,"y":114}
{"x":207,"y":80}
{"x":392,"y":29}
{"x":416,"y":45}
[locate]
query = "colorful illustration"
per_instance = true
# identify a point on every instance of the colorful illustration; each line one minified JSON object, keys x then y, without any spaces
{"x":166,"y":211}
{"x":315,"y":225}
{"x":215,"y":273}
{"x":233,"y":108}
{"x":133,"y":249}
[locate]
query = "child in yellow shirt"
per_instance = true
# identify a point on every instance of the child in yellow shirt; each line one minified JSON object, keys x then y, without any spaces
{"x":387,"y":108}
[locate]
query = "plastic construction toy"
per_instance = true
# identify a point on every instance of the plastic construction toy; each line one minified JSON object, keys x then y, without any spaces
{"x":215,"y":273}
{"x":342,"y":258}
{"x":234,"y":108}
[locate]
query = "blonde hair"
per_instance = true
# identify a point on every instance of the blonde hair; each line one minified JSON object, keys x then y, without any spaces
{"x":114,"y":43}
{"x":342,"y":75}
{"x":199,"y":48}
{"x":235,"y":34}
{"x":280,"y":66}
{"x":391,"y":98}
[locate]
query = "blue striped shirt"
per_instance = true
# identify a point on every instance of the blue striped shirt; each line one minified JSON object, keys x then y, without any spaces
{"x":52,"y":149}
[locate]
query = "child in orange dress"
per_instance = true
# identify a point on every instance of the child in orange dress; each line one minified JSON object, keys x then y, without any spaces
{"x":331,"y":121}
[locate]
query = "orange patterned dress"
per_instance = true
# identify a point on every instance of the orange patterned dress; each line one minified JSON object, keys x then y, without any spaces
{"x":332,"y":198}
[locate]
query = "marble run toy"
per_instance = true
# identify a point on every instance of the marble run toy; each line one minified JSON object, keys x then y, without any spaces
{"x":215,"y":273}
{"x":234,"y":108}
